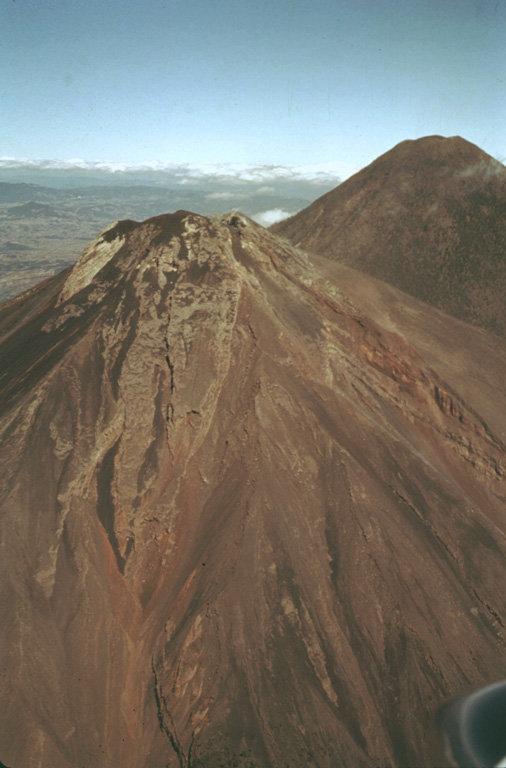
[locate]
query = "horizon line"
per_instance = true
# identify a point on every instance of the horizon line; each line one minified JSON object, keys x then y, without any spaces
{"x":312,"y":172}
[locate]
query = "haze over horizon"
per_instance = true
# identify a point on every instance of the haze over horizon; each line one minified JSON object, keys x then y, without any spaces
{"x":327,"y":84}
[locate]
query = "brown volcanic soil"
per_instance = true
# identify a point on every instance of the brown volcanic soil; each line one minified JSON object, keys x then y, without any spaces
{"x":253,"y":509}
{"x":428,"y":217}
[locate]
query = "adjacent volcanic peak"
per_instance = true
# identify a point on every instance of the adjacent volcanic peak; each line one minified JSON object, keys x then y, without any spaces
{"x":253,"y":508}
{"x":428,"y":217}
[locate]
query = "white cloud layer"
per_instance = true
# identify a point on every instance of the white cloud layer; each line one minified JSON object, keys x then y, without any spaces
{"x":223,"y":196}
{"x":319,"y":173}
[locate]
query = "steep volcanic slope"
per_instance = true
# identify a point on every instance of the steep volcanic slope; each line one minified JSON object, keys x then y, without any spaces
{"x":246,"y":519}
{"x":429,"y":217}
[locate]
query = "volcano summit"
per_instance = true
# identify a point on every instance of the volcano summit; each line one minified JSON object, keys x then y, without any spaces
{"x":253,"y":508}
{"x":428,"y":217}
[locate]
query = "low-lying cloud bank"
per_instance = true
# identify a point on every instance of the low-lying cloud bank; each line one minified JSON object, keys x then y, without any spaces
{"x":319,"y":173}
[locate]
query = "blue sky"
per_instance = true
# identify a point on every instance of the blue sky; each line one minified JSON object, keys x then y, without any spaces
{"x":305,"y":81}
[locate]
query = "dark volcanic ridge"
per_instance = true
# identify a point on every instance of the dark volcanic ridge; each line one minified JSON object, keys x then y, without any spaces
{"x":428,"y":217}
{"x":253,"y":508}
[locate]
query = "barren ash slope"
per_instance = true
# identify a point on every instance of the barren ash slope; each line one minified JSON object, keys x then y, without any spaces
{"x":253,"y":509}
{"x":429,"y":217}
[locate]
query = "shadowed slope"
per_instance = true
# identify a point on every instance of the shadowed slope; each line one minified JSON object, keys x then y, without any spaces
{"x":429,"y":217}
{"x":252,"y":514}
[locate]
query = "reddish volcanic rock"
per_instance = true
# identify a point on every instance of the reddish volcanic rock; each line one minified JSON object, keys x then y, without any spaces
{"x":253,"y":508}
{"x":428,"y":217}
